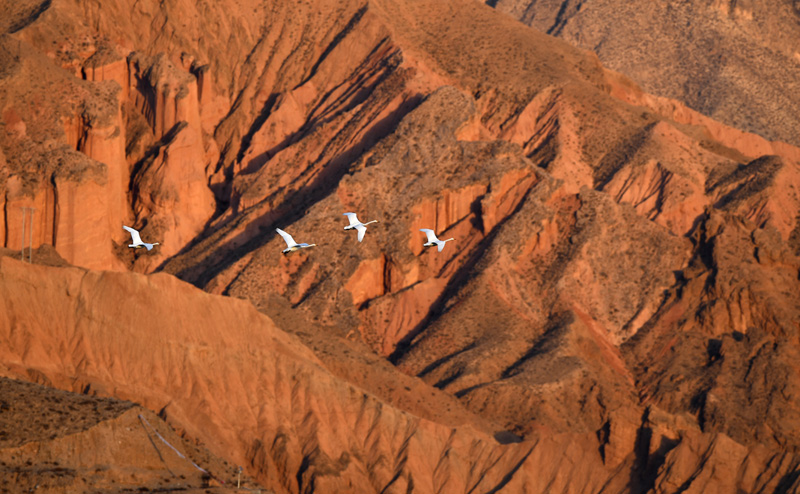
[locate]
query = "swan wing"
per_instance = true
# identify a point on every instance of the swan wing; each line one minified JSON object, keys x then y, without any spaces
{"x":441,"y":245}
{"x":353,"y":218}
{"x":286,"y":238}
{"x":149,"y":246}
{"x":134,"y":235}
{"x":430,"y":234}
{"x":361,"y":231}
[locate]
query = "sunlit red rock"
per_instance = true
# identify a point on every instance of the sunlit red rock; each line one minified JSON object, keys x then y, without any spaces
{"x":617,"y":311}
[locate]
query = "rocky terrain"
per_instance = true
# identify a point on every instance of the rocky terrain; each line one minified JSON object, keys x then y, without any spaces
{"x":619,"y":310}
{"x":736,"y":61}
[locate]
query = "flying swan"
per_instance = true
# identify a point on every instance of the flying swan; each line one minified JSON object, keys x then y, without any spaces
{"x":291,"y":245}
{"x":354,"y":223}
{"x":137,"y":240}
{"x":432,"y":240}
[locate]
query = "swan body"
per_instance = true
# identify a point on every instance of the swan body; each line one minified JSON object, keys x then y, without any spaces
{"x":137,"y":240}
{"x":360,"y":227}
{"x":432,"y":240}
{"x":291,"y":245}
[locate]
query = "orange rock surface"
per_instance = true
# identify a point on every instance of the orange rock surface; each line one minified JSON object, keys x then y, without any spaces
{"x":618,"y":311}
{"x":290,"y":415}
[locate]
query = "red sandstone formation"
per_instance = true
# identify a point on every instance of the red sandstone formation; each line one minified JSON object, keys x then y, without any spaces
{"x":79,"y":203}
{"x":618,"y":311}
{"x":169,"y":161}
{"x":282,"y":405}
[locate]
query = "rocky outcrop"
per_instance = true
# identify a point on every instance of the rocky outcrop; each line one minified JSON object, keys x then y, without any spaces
{"x":107,"y":64}
{"x":213,"y":105}
{"x":171,"y":198}
{"x":15,"y":199}
{"x":82,"y":203}
{"x":56,"y":162}
{"x":670,"y":177}
{"x":171,"y":193}
{"x":165,"y":94}
{"x":750,"y":274}
{"x":368,"y":281}
{"x":103,"y":140}
{"x":77,"y":236}
{"x":70,"y":214}
{"x":555,"y":279}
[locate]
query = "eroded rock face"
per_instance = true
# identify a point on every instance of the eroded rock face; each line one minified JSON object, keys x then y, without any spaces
{"x":171,"y":192}
{"x":541,"y":303}
{"x":342,"y":437}
{"x":751,"y":276}
{"x":408,"y":281}
{"x":72,"y":165}
{"x":66,"y":162}
{"x":617,"y":311}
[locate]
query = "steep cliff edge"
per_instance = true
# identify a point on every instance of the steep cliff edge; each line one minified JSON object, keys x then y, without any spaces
{"x":63,"y":145}
{"x":114,"y":118}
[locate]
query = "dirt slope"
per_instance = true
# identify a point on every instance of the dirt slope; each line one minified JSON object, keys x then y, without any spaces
{"x":56,"y":441}
{"x":280,"y":413}
{"x":223,"y":373}
{"x":735,"y":61}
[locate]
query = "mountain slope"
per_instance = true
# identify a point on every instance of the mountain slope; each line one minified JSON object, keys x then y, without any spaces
{"x":55,"y":441}
{"x":617,"y":312}
{"x":735,"y":61}
{"x":223,"y":373}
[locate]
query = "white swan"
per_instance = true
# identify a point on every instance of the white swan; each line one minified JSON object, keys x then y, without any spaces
{"x":137,"y":240}
{"x":291,"y":245}
{"x":432,"y":240}
{"x":354,"y":223}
